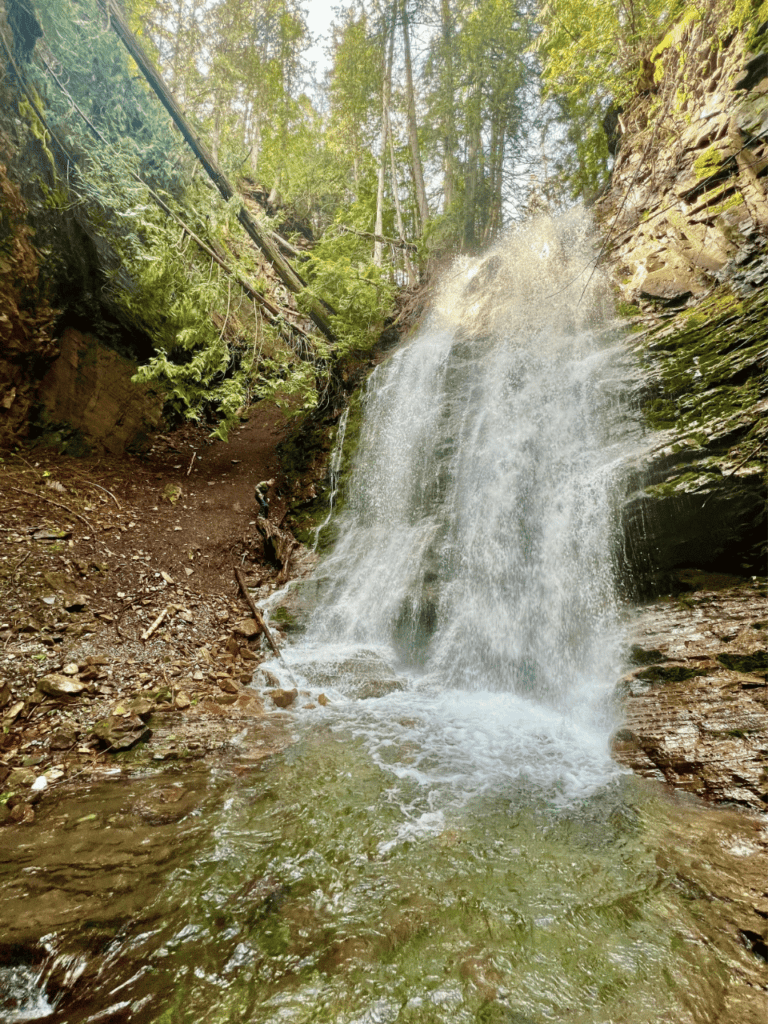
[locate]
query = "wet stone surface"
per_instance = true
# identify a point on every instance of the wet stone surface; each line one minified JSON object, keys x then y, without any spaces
{"x":696,"y":707}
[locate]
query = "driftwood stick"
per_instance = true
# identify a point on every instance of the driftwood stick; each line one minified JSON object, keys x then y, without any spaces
{"x":58,"y":504}
{"x":155,"y":625}
{"x":256,"y":613}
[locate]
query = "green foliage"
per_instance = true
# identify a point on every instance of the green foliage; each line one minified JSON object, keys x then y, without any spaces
{"x":592,"y":56}
{"x":340,"y":270}
{"x":213,"y":353}
{"x":480,"y":85}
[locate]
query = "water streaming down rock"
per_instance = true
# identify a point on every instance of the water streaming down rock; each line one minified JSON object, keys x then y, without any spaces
{"x":334,"y":469}
{"x":475,"y":547}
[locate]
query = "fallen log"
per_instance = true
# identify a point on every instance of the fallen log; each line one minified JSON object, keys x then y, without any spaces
{"x":318,"y":311}
{"x":256,"y":613}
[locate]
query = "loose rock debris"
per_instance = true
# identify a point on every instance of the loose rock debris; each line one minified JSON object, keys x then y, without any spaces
{"x":124,"y":640}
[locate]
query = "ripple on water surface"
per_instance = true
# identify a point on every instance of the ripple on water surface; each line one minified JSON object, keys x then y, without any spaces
{"x":336,"y":886}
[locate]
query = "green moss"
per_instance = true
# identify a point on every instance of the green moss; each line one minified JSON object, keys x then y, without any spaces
{"x":737,"y":199}
{"x":708,"y":362}
{"x":661,"y":674}
{"x":627,"y":309}
{"x":710,"y":161}
{"x":674,"y":37}
{"x":755,"y":663}
{"x":307,"y":516}
{"x":284,"y":618}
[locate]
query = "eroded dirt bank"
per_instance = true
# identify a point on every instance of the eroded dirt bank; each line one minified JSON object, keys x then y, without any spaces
{"x":96,"y":552}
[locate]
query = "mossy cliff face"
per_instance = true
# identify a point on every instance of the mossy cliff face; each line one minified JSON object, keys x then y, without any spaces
{"x":686,"y":220}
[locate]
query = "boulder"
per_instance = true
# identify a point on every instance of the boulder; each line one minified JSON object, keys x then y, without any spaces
{"x":60,"y":686}
{"x":284,"y":698}
{"x":121,"y":732}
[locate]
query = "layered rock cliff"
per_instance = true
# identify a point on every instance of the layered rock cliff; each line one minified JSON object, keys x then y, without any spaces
{"x":686,"y":227}
{"x":685,"y":224}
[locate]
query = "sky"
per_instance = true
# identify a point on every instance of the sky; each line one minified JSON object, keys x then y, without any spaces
{"x":319,"y":17}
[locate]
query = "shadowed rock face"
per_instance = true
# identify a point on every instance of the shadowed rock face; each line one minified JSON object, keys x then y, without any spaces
{"x":696,"y":707}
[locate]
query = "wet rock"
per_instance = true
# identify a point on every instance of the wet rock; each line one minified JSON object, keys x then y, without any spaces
{"x":228,"y":685}
{"x":141,"y":706}
{"x":270,"y":679}
{"x":64,"y":737}
{"x":284,"y":618}
{"x":248,"y":704}
{"x":60,"y":687}
{"x":323,"y":701}
{"x":20,"y":778}
{"x":167,"y":805}
{"x":121,"y":732}
{"x":284,"y":698}
{"x":23,"y":814}
{"x":639,"y":655}
{"x":699,"y":718}
{"x":364,"y":676}
{"x":247,"y":627}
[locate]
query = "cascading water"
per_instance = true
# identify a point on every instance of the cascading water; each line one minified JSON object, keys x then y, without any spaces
{"x":474,"y":555}
{"x":447,"y":842}
{"x":334,"y":470}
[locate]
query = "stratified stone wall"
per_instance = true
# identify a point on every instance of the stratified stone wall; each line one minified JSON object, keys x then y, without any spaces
{"x":88,"y":391}
{"x":686,"y":227}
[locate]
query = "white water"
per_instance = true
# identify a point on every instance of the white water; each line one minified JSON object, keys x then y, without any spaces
{"x":474,"y":556}
{"x":334,"y":469}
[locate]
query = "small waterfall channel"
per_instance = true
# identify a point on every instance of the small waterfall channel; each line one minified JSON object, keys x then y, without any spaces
{"x":446,"y":840}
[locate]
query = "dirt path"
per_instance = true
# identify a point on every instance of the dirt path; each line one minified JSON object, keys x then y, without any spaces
{"x":92,"y":553}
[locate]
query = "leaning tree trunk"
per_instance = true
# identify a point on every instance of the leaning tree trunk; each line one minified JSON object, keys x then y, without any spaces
{"x":318,"y":311}
{"x":449,"y":123}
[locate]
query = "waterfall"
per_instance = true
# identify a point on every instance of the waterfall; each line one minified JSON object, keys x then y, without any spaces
{"x":475,"y":545}
{"x":334,"y":469}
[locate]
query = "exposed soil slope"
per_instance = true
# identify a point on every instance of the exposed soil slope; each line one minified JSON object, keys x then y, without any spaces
{"x":92,"y":552}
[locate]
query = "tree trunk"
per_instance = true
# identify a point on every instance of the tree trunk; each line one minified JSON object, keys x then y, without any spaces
{"x":386,"y":89}
{"x":319,"y":312}
{"x":413,"y":132}
{"x":449,"y":123}
{"x":472,"y":171}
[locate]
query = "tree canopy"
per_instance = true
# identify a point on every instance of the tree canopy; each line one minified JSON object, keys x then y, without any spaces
{"x":436,"y":123}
